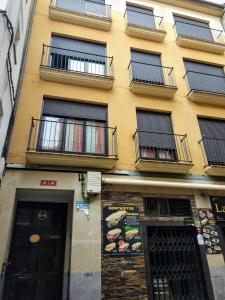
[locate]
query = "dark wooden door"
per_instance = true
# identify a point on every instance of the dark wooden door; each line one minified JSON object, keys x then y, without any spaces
{"x":36,"y":257}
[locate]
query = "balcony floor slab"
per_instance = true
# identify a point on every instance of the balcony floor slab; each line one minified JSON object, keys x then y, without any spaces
{"x":163,"y":166}
{"x":76,"y":78}
{"x":201,"y":45}
{"x":73,"y":160}
{"x":206,"y":97}
{"x":152,"y":89}
{"x":155,"y":35}
{"x":78,"y":18}
{"x":215,"y":170}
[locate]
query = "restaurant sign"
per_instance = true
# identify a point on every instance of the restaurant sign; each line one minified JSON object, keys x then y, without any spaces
{"x":121,"y":231}
{"x":218,"y":206}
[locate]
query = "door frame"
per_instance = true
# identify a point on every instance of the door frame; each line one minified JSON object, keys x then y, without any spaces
{"x":68,"y":233}
{"x":205,"y":267}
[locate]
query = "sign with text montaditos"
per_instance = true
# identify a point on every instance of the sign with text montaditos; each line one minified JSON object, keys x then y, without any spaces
{"x":121,"y":231}
{"x":218,"y":206}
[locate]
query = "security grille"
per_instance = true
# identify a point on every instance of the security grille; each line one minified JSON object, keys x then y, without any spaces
{"x":175,"y":264}
{"x":168,"y":207}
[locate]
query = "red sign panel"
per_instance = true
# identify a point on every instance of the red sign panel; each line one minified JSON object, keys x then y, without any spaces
{"x":48,"y":182}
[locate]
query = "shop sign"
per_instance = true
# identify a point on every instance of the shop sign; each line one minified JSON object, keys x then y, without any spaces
{"x":218,"y":205}
{"x":208,"y":231}
{"x":121,"y":231}
{"x":45,"y":182}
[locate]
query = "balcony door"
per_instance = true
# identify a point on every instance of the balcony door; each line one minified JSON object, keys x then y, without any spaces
{"x":193,"y":28}
{"x":156,"y":139}
{"x":213,"y":133}
{"x":74,"y":128}
{"x":204,"y":77}
{"x":147,"y":68}
{"x":140,"y":16}
{"x":79,"y":56}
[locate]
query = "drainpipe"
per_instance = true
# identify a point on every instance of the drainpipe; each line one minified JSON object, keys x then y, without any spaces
{"x":8,"y":60}
{"x":162,"y":184}
{"x":20,"y":78}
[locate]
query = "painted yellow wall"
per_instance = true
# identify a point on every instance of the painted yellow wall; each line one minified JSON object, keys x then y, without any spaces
{"x":122,"y":104}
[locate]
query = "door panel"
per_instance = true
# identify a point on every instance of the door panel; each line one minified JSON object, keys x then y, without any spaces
{"x":37,"y":252}
{"x":175,"y":264}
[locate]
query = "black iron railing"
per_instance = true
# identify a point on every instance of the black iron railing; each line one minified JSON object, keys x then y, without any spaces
{"x":145,"y":20}
{"x":84,"y":6}
{"x":151,"y":74}
{"x":162,"y":146}
{"x":198,"y":81}
{"x":213,"y":151}
{"x":76,"y":61}
{"x":72,"y":137}
{"x":199,"y":32}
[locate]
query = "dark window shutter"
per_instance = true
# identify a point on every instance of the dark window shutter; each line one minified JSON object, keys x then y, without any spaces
{"x":215,"y":145}
{"x":146,"y":67}
{"x":204,"y":77}
{"x":140,"y":16}
{"x":193,"y":28}
{"x":86,"y":48}
{"x":156,"y":123}
{"x":75,"y":110}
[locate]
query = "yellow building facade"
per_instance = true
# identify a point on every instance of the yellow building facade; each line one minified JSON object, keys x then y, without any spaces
{"x":131,"y":176}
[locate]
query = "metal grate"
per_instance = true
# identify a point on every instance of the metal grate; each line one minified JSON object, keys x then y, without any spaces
{"x":175,"y":265}
{"x":168,"y":207}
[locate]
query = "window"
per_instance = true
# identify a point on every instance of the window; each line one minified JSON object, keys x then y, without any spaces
{"x":95,"y":7}
{"x":78,"y":56}
{"x":173,"y":207}
{"x":205,"y":77}
{"x":140,"y":16}
{"x":193,"y":28}
{"x":155,"y":134}
{"x":213,"y":133}
{"x":146,"y":67}
{"x":73,"y":127}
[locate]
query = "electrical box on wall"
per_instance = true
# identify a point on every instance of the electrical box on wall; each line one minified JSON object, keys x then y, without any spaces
{"x":94,"y":182}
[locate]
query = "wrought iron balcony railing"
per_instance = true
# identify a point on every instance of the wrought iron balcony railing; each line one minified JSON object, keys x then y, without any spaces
{"x":72,"y":137}
{"x":203,"y":82}
{"x":76,"y":61}
{"x":145,"y":20}
{"x":151,"y":74}
{"x":161,"y":147}
{"x":199,"y":32}
{"x":84,"y":6}
{"x":213,"y":151}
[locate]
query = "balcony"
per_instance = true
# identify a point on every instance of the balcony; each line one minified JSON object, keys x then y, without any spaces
{"x":213,"y":151}
{"x":85,"y":13}
{"x":162,"y":152}
{"x":205,"y":88}
{"x":152,"y":80}
{"x":78,"y":68}
{"x":200,"y":38}
{"x":144,"y":26}
{"x":70,"y":143}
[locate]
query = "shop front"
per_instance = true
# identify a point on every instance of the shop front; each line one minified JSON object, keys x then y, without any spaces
{"x":153,"y":246}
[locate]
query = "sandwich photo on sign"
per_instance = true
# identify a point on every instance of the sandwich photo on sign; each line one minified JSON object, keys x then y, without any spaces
{"x":112,"y":235}
{"x":113,"y":219}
